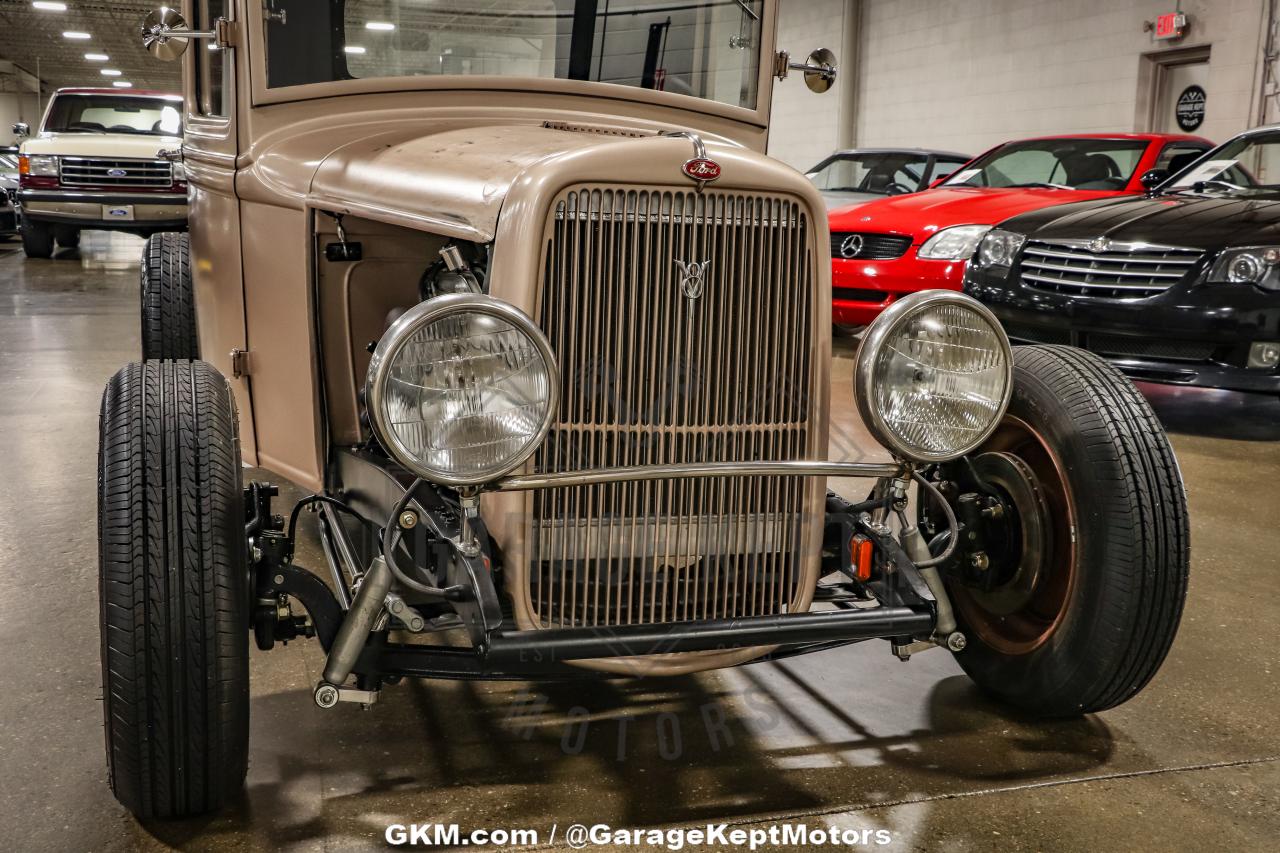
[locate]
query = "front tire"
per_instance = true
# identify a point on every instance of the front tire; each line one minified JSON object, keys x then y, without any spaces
{"x":173,"y":598}
{"x":37,"y":239}
{"x":168,"y":302}
{"x":1093,"y":624}
{"x":67,"y":236}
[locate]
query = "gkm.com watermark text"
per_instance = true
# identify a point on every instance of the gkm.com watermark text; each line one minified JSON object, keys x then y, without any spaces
{"x":579,"y":836}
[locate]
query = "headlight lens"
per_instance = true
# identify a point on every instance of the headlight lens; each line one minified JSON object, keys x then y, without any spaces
{"x":42,"y":165}
{"x":934,"y":375}
{"x":953,"y":244}
{"x":999,"y":248}
{"x":1258,"y":265}
{"x":462,"y":389}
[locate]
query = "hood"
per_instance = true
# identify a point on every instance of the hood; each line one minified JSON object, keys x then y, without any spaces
{"x":838,"y":202}
{"x":454,"y":181}
{"x":100,"y":145}
{"x":1194,"y":221}
{"x":924,"y":213}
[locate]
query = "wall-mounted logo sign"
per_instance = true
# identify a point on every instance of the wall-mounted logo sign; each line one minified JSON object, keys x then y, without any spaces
{"x":1172,"y":25}
{"x":1190,"y":108}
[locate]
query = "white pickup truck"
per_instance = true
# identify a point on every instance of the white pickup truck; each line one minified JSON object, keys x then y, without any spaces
{"x":104,"y":159}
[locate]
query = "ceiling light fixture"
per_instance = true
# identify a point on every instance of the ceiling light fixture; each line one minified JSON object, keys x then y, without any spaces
{"x":380,"y":26}
{"x":96,"y":57}
{"x":122,"y":84}
{"x":44,"y":6}
{"x":109,"y":72}
{"x":354,"y":48}
{"x":78,"y":36}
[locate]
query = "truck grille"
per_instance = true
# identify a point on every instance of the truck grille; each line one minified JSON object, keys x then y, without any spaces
{"x":657,"y":371}
{"x":95,"y":172}
{"x":868,"y":247}
{"x":1119,"y":272}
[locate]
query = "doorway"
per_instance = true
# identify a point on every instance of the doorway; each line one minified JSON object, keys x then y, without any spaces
{"x":1173,"y":90}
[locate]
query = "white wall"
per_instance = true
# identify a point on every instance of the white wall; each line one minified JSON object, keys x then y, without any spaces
{"x":807,"y":127}
{"x":967,"y":75}
{"x":16,"y":107}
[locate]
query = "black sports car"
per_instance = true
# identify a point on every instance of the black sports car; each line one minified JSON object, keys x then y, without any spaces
{"x":1180,"y":286}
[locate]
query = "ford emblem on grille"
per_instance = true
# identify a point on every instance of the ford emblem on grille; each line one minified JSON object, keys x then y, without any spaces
{"x":701,"y":169}
{"x":117,"y":173}
{"x":852,"y":246}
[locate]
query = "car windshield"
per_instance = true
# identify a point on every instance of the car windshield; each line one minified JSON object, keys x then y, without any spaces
{"x":1246,"y":164}
{"x":880,"y":172}
{"x":114,"y":114}
{"x":1080,"y":164}
{"x":705,"y":49}
{"x":8,"y":162}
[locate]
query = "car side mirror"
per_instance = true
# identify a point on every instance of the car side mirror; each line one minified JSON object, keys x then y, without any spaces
{"x":819,"y":70}
{"x":22,"y":130}
{"x":1153,"y":178}
{"x":165,"y":33}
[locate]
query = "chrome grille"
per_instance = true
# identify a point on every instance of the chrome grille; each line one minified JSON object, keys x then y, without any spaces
{"x":97,"y":172}
{"x":653,"y":375}
{"x":868,"y":247}
{"x":1120,"y":271}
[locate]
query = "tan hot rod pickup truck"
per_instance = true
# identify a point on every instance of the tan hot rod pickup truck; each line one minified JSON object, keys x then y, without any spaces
{"x":520,"y":299}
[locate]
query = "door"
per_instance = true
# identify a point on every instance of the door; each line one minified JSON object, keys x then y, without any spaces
{"x":1181,"y":97}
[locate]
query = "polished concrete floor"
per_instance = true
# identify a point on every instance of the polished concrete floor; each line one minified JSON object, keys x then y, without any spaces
{"x":849,"y":738}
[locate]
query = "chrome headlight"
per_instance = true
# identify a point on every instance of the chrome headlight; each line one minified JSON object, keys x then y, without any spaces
{"x":953,"y":244}
{"x":1258,"y":265}
{"x":462,"y":389}
{"x":934,"y":375}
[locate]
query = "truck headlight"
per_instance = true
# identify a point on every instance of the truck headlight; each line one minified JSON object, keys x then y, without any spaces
{"x":953,"y":244}
{"x":462,"y":389}
{"x":934,"y":375}
{"x":1258,"y":265}
{"x":40,"y":166}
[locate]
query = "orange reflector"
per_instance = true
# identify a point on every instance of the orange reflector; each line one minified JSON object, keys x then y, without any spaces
{"x":24,"y":164}
{"x":860,"y":548}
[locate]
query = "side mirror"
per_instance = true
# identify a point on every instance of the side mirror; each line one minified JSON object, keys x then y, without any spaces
{"x":819,"y":70}
{"x":165,"y":33}
{"x":1153,"y":178}
{"x":22,"y":130}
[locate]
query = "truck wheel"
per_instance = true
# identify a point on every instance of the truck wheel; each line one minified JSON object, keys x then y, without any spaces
{"x":37,"y":240}
{"x":172,"y":585}
{"x":168,"y":307}
{"x":1084,"y":615}
{"x":66,"y":236}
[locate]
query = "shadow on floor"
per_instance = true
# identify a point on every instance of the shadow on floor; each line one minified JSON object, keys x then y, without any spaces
{"x":1214,"y":413}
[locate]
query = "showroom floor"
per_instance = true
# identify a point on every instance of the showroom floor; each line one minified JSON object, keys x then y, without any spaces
{"x":850,"y":737}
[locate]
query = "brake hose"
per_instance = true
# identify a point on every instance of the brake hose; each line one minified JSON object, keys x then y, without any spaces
{"x":391,"y":538}
{"x":951,"y":523}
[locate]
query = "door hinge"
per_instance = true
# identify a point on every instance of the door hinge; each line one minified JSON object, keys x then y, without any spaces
{"x":223,"y":34}
{"x":239,"y":363}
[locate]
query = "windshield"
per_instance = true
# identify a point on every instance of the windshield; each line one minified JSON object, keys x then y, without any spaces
{"x":1079,"y":164}
{"x":1247,"y":163}
{"x":114,"y":114}
{"x":8,"y":162}
{"x":705,"y":49}
{"x":880,"y":173}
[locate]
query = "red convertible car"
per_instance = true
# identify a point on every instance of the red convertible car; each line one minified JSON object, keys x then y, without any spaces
{"x":884,"y":249}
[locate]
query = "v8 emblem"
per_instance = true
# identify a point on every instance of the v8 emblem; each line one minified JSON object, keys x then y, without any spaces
{"x":693,"y":277}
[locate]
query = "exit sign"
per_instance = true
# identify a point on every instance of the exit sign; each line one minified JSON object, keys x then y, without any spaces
{"x":1171,"y":26}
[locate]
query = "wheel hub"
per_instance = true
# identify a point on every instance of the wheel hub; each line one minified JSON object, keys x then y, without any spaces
{"x":1020,"y":543}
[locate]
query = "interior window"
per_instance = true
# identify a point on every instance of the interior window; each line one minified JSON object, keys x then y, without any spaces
{"x":1175,"y":156}
{"x":1083,"y":163}
{"x":884,"y":173}
{"x":213,"y":77}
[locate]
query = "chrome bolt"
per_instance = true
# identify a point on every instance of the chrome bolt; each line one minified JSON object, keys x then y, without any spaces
{"x":408,"y":519}
{"x":326,"y":696}
{"x":278,"y":580}
{"x":980,"y":561}
{"x":956,"y":641}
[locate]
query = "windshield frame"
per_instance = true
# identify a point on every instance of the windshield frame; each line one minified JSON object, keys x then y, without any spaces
{"x":1168,"y":185}
{"x":261,"y":95}
{"x":1144,"y":150}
